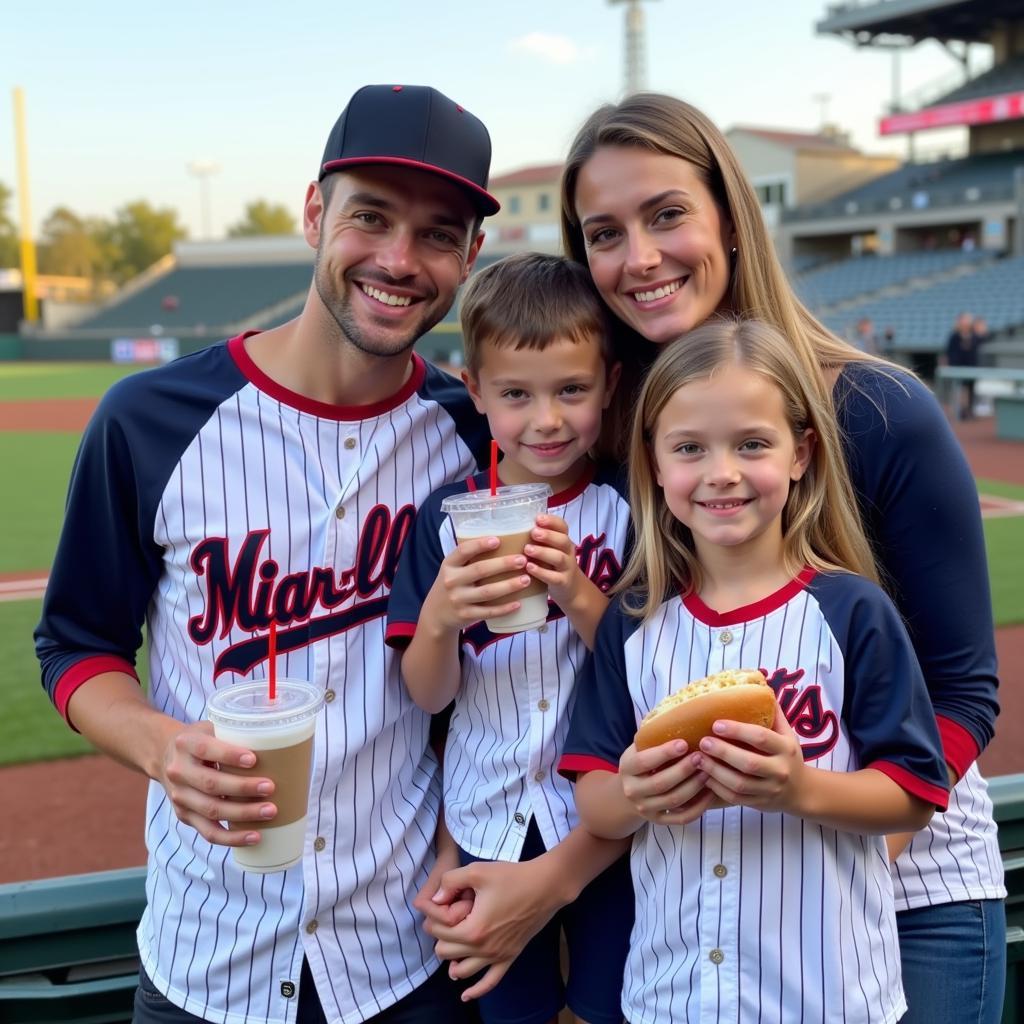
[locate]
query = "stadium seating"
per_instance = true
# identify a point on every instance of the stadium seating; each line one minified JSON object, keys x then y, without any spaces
{"x":922,"y":319}
{"x":212,"y":297}
{"x":1003,"y":78}
{"x":921,"y":186}
{"x":865,"y":274}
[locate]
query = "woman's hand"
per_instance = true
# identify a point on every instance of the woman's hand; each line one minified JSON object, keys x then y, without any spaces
{"x":754,"y":767}
{"x":663,"y":784}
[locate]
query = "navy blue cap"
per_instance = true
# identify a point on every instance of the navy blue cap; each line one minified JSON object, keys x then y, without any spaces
{"x":413,"y":126}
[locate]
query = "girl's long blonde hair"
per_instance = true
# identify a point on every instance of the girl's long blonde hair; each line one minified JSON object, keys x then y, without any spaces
{"x":820,"y":524}
{"x":759,"y":287}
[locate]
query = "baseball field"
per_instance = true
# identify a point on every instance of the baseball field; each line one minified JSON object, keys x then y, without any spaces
{"x":43,"y":408}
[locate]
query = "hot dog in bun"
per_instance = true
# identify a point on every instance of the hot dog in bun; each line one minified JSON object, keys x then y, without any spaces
{"x":741,"y":695}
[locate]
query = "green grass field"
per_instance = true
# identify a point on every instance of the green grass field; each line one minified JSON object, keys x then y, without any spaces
{"x":41,"y":465}
{"x":34,"y":381}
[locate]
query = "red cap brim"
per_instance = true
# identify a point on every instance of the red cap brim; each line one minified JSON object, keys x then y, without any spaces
{"x":483,"y":200}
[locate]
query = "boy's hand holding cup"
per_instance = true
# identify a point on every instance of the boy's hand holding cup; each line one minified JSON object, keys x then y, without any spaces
{"x":483,"y":579}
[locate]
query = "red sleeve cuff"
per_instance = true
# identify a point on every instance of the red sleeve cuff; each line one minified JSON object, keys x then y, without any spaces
{"x":572,"y":765}
{"x":81,"y":672}
{"x":937,"y":795}
{"x":959,"y":747}
{"x":398,"y":634}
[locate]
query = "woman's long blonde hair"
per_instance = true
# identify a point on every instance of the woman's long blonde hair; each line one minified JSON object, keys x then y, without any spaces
{"x":820,"y":524}
{"x":759,"y":287}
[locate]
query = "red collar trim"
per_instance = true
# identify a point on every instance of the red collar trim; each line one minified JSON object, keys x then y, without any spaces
{"x":323,"y":410}
{"x":700,"y":611}
{"x":586,"y":478}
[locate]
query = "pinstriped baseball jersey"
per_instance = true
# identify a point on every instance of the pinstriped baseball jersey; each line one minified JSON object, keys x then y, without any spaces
{"x":212,"y":501}
{"x":886,"y":423}
{"x":743,"y":916}
{"x":512,"y":711}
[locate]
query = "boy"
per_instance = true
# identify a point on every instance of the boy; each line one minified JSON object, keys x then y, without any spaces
{"x":539,"y":365}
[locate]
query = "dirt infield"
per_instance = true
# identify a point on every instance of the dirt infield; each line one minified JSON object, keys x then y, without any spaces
{"x":64,"y":414}
{"x":70,"y":816}
{"x":86,"y":814}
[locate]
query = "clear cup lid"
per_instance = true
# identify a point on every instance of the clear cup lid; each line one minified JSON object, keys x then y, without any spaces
{"x":509,"y":496}
{"x":248,"y":704}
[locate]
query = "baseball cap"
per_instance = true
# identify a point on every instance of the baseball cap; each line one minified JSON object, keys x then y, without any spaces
{"x":413,"y":126}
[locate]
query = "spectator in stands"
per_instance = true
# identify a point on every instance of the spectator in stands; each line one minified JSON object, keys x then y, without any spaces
{"x":962,"y":350}
{"x":981,"y":332}
{"x":272,"y":479}
{"x":655,"y":203}
{"x":865,"y":338}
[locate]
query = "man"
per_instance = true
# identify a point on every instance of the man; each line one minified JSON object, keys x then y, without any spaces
{"x":962,"y":350}
{"x":274,"y":478}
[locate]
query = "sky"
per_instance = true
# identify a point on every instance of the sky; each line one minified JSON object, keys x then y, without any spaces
{"x":120,"y":98}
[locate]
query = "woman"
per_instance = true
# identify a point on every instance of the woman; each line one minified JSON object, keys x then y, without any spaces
{"x":655,"y":203}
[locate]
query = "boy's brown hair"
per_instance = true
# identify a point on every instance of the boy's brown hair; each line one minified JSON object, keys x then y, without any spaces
{"x":531,"y":300}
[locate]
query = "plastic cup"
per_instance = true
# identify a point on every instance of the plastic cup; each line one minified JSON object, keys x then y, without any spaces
{"x":280,"y":733}
{"x":509,"y":515}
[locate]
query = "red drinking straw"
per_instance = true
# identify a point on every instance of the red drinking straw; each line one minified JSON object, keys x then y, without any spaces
{"x":272,"y":661}
{"x":494,"y":468}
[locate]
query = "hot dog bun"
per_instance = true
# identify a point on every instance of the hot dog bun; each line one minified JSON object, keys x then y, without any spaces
{"x":742,"y":695}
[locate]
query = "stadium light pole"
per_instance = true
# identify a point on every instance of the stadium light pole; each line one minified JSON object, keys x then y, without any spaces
{"x":636,"y":63}
{"x":203,"y":170}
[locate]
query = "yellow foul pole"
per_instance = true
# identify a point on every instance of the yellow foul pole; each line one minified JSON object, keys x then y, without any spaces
{"x":28,"y":249}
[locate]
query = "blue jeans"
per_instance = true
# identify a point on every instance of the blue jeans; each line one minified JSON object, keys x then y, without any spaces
{"x":954,"y":962}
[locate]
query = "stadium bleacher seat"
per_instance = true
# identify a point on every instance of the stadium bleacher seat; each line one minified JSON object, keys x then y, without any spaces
{"x":213,"y":297}
{"x":922,"y":319}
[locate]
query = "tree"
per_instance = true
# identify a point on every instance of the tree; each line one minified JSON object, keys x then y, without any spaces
{"x":263,"y":218}
{"x":9,"y":253}
{"x":139,"y":236}
{"x":71,"y":246}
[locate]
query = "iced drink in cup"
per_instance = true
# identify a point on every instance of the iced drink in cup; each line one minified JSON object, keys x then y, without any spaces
{"x":280,"y":733}
{"x":509,"y":515}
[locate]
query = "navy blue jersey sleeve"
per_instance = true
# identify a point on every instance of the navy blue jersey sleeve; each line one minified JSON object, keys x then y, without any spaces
{"x":920,"y":509}
{"x":107,"y":563}
{"x":452,"y":396}
{"x":418,"y":565}
{"x":886,"y":709}
{"x":603,"y":720}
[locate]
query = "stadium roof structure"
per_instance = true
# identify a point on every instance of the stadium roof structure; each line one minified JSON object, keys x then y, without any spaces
{"x":539,"y":175}
{"x":796,"y":139}
{"x":968,"y":21}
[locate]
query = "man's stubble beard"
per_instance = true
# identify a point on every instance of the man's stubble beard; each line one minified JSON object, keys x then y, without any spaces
{"x":339,"y":308}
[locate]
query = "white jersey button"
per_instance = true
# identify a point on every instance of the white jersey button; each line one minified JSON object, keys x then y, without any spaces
{"x":328,"y":696}
{"x":716,"y":956}
{"x":720,"y":870}
{"x":540,"y":776}
{"x":319,"y":843}
{"x":350,"y":443}
{"x":543,"y":705}
{"x":312,"y":926}
{"x":725,"y":637}
{"x":542,"y":629}
{"x":340,"y":511}
{"x":519,"y":819}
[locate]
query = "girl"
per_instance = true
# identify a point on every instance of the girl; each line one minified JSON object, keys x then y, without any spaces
{"x":763,"y":890}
